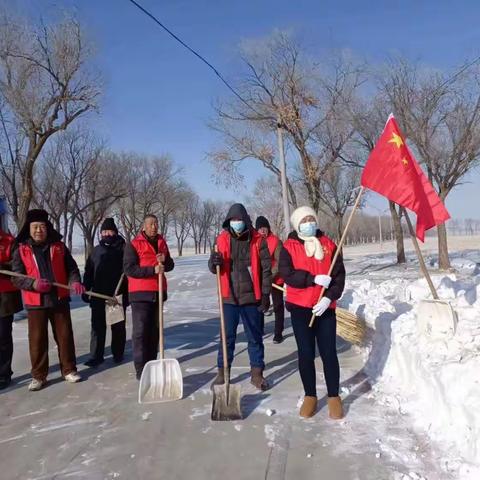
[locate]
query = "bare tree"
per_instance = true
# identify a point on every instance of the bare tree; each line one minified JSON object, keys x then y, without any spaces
{"x":282,"y":85}
{"x":45,"y":85}
{"x":441,"y":118}
{"x":181,"y":219}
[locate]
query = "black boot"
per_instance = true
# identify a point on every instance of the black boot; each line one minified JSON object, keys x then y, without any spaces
{"x":278,"y":338}
{"x":94,"y":362}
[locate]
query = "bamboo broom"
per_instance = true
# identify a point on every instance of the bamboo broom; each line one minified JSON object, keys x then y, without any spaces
{"x":349,"y":327}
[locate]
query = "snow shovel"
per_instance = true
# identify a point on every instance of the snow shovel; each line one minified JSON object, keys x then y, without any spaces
{"x":161,"y":380}
{"x":115,"y":311}
{"x":226,"y":397}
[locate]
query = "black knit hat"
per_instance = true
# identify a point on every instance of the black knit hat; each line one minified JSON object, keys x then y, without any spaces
{"x":37,"y":215}
{"x":262,"y":222}
{"x":109,"y":224}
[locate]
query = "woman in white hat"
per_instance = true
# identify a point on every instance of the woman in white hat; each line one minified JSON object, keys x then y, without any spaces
{"x":304,"y":264}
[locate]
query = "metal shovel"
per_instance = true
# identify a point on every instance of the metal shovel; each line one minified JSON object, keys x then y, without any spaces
{"x":161,"y":380}
{"x":226,"y":397}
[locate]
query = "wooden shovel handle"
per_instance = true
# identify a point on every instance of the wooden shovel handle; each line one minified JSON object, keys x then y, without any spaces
{"x":58,"y":285}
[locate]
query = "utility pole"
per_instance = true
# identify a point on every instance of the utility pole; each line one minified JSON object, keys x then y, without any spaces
{"x":283,"y":177}
{"x":380,"y":230}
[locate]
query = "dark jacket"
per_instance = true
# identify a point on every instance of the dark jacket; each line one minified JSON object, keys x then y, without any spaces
{"x":10,"y":302}
{"x":241,"y":284}
{"x":42,"y":257}
{"x":104,"y":267}
{"x":132,"y":268}
{"x":304,"y":279}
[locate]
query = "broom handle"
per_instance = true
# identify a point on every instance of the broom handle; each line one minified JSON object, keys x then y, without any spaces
{"x":161,"y":345}
{"x":421,"y":260}
{"x":278,"y":287}
{"x":59,"y":285}
{"x":340,"y":246}
{"x":223,"y":332}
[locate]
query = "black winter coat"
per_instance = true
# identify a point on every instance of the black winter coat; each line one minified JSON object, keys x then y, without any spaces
{"x":241,"y":284}
{"x":104,"y":267}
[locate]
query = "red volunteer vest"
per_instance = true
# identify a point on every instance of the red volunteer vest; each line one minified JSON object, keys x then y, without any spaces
{"x":6,"y":244}
{"x":308,"y":297}
{"x":223,"y":244}
{"x":147,"y":258}
{"x":57,"y":257}
{"x":272,"y":242}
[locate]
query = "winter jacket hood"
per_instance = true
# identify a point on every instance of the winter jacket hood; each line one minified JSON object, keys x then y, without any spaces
{"x":237,"y":210}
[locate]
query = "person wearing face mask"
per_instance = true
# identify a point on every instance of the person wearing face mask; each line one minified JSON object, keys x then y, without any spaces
{"x":262,"y":226}
{"x":42,"y":255}
{"x":246,"y":281}
{"x":305,"y":260}
{"x":144,"y":259}
{"x":103,"y":270}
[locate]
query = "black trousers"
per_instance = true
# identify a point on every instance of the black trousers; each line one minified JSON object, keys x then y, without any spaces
{"x":323,"y":333}
{"x":99,"y":332}
{"x":144,"y":333}
{"x":6,"y":347}
{"x":279,"y":311}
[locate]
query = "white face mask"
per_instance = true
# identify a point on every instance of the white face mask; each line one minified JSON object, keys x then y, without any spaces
{"x":308,"y":229}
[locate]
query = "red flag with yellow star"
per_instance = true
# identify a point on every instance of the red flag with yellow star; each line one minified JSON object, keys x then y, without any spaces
{"x":392,"y":171}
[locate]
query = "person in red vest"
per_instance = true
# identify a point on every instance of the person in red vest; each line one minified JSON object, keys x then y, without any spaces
{"x":246,"y":281}
{"x":262,"y":226}
{"x":144,"y":259}
{"x":43,"y":256}
{"x":305,"y":260}
{"x":10,"y":302}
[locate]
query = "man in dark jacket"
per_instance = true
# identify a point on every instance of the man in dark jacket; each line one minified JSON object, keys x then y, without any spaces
{"x":144,"y":260}
{"x":103,"y":271}
{"x":262,"y":225}
{"x":10,"y":301}
{"x":246,"y":280}
{"x":43,"y":256}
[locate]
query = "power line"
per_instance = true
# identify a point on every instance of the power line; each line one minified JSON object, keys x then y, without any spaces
{"x":454,"y":76}
{"x":194,"y":52}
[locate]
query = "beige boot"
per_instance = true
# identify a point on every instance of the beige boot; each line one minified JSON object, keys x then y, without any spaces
{"x":335,"y":408}
{"x":309,"y":407}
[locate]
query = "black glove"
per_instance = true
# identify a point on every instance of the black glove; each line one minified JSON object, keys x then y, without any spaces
{"x":264,"y":304}
{"x":86,"y":298}
{"x":216,"y":259}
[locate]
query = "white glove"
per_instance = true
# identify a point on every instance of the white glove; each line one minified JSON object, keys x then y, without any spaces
{"x":322,"y":280}
{"x":321,"y":307}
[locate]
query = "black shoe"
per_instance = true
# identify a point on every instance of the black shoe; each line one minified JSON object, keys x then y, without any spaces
{"x":118,"y":359}
{"x":278,"y":338}
{"x":94,"y":362}
{"x":5,"y":382}
{"x":138,"y":376}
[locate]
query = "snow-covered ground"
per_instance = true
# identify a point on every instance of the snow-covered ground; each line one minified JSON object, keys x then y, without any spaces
{"x":433,"y":379}
{"x":410,"y":402}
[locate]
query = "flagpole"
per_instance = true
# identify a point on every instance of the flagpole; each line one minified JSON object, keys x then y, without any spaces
{"x":340,"y":245}
{"x":421,"y":260}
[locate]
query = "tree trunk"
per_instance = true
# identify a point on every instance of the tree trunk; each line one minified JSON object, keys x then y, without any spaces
{"x":397,"y":227}
{"x":179,"y":247}
{"x":443,"y":258}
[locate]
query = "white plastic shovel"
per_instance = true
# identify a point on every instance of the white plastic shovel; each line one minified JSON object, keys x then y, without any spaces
{"x":161,"y":380}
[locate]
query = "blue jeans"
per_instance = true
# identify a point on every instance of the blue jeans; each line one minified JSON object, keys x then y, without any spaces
{"x":253,"y":330}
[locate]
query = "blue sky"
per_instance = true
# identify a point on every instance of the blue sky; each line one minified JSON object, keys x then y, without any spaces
{"x":158,"y":96}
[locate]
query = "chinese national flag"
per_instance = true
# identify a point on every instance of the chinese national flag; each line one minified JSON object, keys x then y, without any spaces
{"x":392,"y":171}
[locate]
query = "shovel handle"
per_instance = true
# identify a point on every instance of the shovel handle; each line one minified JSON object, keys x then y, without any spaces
{"x":223,"y":333}
{"x":58,"y":285}
{"x":161,"y":343}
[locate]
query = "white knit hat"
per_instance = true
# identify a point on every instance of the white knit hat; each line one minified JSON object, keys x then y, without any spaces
{"x":313,"y":247}
{"x":299,"y":214}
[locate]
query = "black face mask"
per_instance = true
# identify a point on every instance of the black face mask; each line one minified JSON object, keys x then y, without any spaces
{"x":109,"y":239}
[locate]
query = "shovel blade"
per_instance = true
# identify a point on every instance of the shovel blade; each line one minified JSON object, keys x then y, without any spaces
{"x":436,"y":318}
{"x":223,"y":408}
{"x":161,"y":381}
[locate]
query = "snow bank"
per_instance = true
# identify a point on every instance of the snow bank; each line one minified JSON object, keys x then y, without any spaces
{"x":436,"y":382}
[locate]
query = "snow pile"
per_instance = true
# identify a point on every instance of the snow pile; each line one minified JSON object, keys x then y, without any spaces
{"x":436,"y":382}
